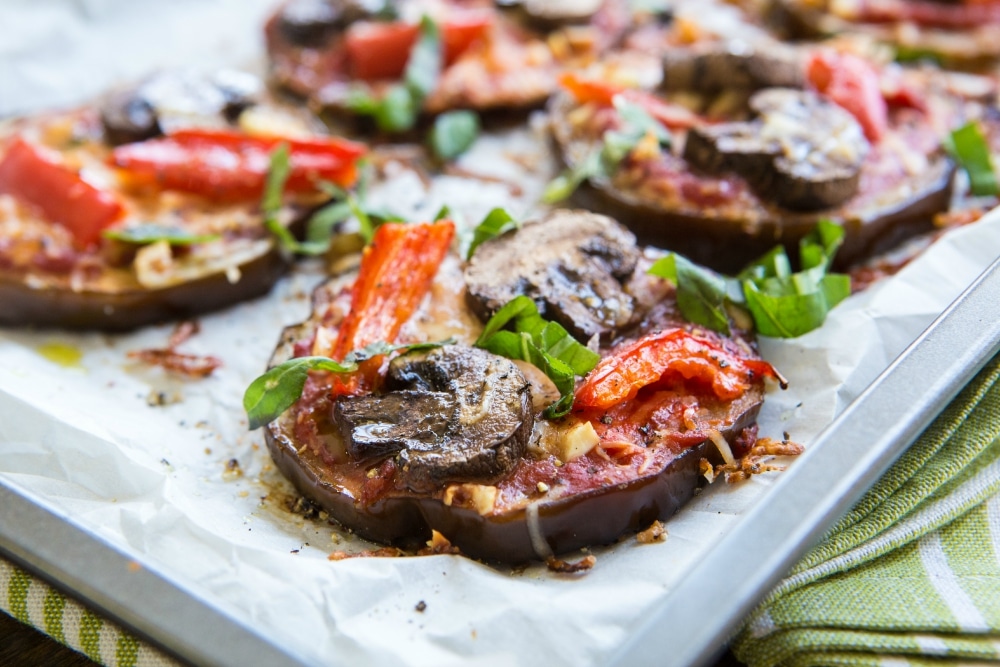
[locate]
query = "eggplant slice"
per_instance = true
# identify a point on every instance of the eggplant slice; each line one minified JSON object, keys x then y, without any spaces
{"x":345,"y":454}
{"x":721,"y":195}
{"x":54,"y":302}
{"x":115,"y":285}
{"x":973,"y":47}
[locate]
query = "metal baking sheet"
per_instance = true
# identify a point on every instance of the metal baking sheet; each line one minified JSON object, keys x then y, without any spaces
{"x":689,"y":626}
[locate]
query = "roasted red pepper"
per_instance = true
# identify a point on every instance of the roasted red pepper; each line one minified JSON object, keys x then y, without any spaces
{"x":586,"y":91}
{"x":854,"y":85}
{"x":229,"y":166}
{"x":397,"y":269}
{"x":34,"y":178}
{"x":672,"y":353}
{"x":381,"y":50}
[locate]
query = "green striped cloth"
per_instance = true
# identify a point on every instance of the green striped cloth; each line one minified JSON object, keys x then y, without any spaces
{"x":911,"y":576}
{"x":32,"y":602}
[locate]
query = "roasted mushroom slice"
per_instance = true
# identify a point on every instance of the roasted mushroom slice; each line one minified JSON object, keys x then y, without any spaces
{"x":801,"y":151}
{"x":574,"y":272}
{"x":169,"y":100}
{"x":733,"y":64}
{"x":452,"y":414}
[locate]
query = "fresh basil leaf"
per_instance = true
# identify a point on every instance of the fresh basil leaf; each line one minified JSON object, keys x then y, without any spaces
{"x":546,"y":345}
{"x":819,"y":246}
{"x":789,"y":315}
{"x":397,"y":110}
{"x":424,"y":66}
{"x":782,"y":303}
{"x":638,"y":120}
{"x":516,"y":307}
{"x":566,"y":183}
{"x":973,"y":155}
{"x":276,"y":390}
{"x":368,"y":217}
{"x":453,"y":133}
{"x":153,"y":233}
{"x":443,"y":213}
{"x":701,"y":293}
{"x":320,"y":227}
{"x":497,"y":222}
{"x":270,"y":205}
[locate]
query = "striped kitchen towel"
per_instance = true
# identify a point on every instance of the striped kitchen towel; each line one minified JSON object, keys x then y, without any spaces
{"x":32,"y":602}
{"x":911,"y":576}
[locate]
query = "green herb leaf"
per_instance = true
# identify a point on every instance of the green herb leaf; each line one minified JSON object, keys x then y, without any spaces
{"x":368,"y":217}
{"x":153,"y":233}
{"x":320,"y":227}
{"x":277,"y":390}
{"x":424,"y":66}
{"x":497,"y":222}
{"x":973,"y":154}
{"x":270,"y":206}
{"x":443,"y":213}
{"x":566,"y":183}
{"x":547,"y":345}
{"x":453,"y":133}
{"x":782,"y":303}
{"x":701,"y":293}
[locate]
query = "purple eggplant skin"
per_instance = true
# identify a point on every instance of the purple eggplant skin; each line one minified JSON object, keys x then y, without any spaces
{"x":56,"y":305}
{"x":728,"y":245}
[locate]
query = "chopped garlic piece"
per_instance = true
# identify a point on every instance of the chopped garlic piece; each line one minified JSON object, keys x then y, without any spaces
{"x":577,"y":441}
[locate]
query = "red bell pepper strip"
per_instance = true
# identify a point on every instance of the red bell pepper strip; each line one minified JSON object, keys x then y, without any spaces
{"x":381,"y":50}
{"x":853,"y":84}
{"x":34,"y":178}
{"x":672,"y":353}
{"x":969,"y":14}
{"x":397,"y":269}
{"x":229,"y":166}
{"x":586,"y":91}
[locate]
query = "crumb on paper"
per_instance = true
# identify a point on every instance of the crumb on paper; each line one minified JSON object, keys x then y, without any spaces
{"x":438,"y":544}
{"x":656,"y":532}
{"x":565,"y":567}
{"x":158,"y":398}
{"x":421,"y":606}
{"x":232,"y":471}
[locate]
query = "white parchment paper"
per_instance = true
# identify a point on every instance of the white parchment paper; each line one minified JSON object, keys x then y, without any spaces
{"x":153,"y":480}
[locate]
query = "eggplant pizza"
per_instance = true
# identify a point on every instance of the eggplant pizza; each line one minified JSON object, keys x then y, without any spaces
{"x":493,"y":425}
{"x":148,"y":206}
{"x":736,"y":147}
{"x":354,"y":56}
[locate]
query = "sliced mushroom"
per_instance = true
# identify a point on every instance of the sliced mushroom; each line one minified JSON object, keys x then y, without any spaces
{"x":571,"y":263}
{"x":176,"y":99}
{"x":801,"y":151}
{"x":561,"y":11}
{"x":732,"y":65}
{"x":452,"y":414}
{"x":312,"y":22}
